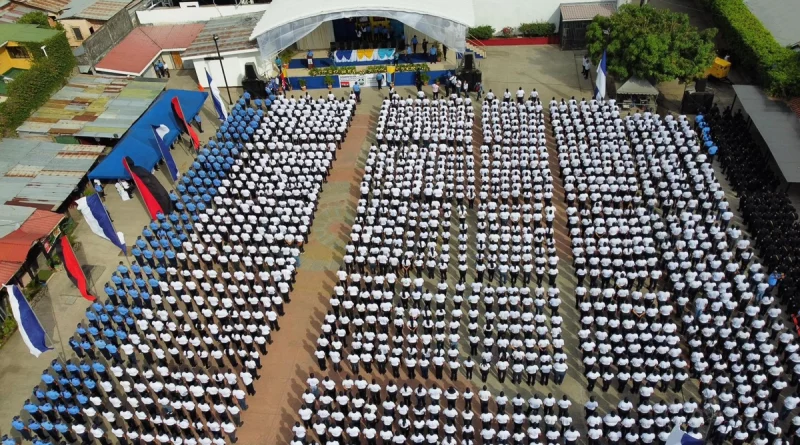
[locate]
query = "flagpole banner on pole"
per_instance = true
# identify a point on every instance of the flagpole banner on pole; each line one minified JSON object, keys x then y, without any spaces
{"x":160,"y":131}
{"x":176,"y":108}
{"x":96,"y":216}
{"x":73,"y":268}
{"x":219,"y":105}
{"x":600,"y":82}
{"x":154,"y":195}
{"x":30,"y":328}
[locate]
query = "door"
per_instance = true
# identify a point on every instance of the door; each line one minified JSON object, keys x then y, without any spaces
{"x":177,"y":61}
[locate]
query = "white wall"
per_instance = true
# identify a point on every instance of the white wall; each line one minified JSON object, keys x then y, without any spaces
{"x":159,"y":16}
{"x":514,"y":12}
{"x":234,"y":69}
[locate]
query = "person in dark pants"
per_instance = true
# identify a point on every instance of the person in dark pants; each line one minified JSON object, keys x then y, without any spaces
{"x":199,"y":122}
{"x":444,"y":52}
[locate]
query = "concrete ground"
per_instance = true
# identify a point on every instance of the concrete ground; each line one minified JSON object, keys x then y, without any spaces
{"x":554,"y":73}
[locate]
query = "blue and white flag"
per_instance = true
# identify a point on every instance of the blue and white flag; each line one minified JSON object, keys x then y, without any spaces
{"x":679,"y":437}
{"x":160,"y":131}
{"x":600,"y":82}
{"x":32,"y":331}
{"x":215,"y":96}
{"x":96,"y":216}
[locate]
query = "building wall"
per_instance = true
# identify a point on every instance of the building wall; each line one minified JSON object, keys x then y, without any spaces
{"x":514,"y":12}
{"x":234,"y":69}
{"x":6,"y":62}
{"x":86,"y":27}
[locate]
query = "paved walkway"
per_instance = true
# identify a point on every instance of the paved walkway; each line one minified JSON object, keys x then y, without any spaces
{"x":290,"y":358}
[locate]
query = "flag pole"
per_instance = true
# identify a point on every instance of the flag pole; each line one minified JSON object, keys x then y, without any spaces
{"x":124,"y":254}
{"x":61,"y":353}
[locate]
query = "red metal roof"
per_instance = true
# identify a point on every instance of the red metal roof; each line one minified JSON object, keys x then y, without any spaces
{"x":7,"y":271}
{"x":134,"y":54}
{"x":14,"y":247}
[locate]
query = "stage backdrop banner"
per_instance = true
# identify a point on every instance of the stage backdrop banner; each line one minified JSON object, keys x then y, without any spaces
{"x":363,"y":55}
{"x":365,"y":80}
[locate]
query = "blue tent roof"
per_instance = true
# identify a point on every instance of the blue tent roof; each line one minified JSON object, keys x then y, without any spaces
{"x":139,"y":143}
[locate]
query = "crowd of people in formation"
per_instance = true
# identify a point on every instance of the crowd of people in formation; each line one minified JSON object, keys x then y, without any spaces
{"x":172,"y":354}
{"x":358,"y":411}
{"x":768,"y":212}
{"x":660,"y":264}
{"x":393,"y":307}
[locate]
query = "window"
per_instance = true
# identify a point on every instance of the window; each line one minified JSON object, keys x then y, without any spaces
{"x":78,"y":34}
{"x":18,"y":52}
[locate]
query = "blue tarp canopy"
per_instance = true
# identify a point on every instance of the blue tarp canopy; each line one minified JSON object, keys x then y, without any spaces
{"x":139,"y":143}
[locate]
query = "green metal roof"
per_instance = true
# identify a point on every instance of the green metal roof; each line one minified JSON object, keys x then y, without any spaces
{"x":14,"y":32}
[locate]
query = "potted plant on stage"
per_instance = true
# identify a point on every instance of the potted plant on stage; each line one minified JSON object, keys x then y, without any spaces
{"x":508,"y":32}
{"x":329,"y":81}
{"x":302,"y":83}
{"x":424,"y":77}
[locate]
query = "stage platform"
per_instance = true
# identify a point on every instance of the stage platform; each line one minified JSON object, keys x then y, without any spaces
{"x":298,"y":64}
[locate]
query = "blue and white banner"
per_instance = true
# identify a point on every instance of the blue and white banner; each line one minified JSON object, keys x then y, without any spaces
{"x":32,"y":332}
{"x":600,"y":82}
{"x":160,"y":131}
{"x":215,"y":96}
{"x":96,"y":216}
{"x":678,"y":437}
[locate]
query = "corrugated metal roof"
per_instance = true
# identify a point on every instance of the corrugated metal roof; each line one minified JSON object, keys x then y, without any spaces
{"x":14,"y":246}
{"x":233,"y":32}
{"x":7,"y":271}
{"x":86,"y":99}
{"x":12,"y":217}
{"x":11,"y":12}
{"x":578,"y":12}
{"x":42,"y":174}
{"x":134,"y":54}
{"x":54,"y":6}
{"x":93,"y":9}
{"x":16,"y":32}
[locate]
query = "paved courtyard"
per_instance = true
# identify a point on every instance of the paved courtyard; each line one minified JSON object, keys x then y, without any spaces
{"x":273,"y":410}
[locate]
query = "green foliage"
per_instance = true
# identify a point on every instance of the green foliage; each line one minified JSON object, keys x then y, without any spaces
{"x":754,"y":48}
{"x":481,"y":32}
{"x":43,"y":275}
{"x":653,"y":44}
{"x":409,"y":67}
{"x":302,"y":83}
{"x":287,"y":54}
{"x":31,"y":89}
{"x":328,"y":80}
{"x":38,"y":18}
{"x":538,"y":29}
{"x":425,"y":78}
{"x":332,"y":71}
{"x":33,"y":288}
{"x":374,"y":69}
{"x":8,"y":327}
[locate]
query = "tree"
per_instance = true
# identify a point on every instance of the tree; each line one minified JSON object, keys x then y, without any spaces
{"x":653,"y":44}
{"x":38,"y":18}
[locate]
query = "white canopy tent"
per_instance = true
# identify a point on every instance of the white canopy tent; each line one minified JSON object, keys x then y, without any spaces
{"x":444,"y":20}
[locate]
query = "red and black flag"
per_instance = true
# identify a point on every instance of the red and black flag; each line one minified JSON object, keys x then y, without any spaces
{"x":154,"y":195}
{"x":176,"y":107}
{"x":73,"y":267}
